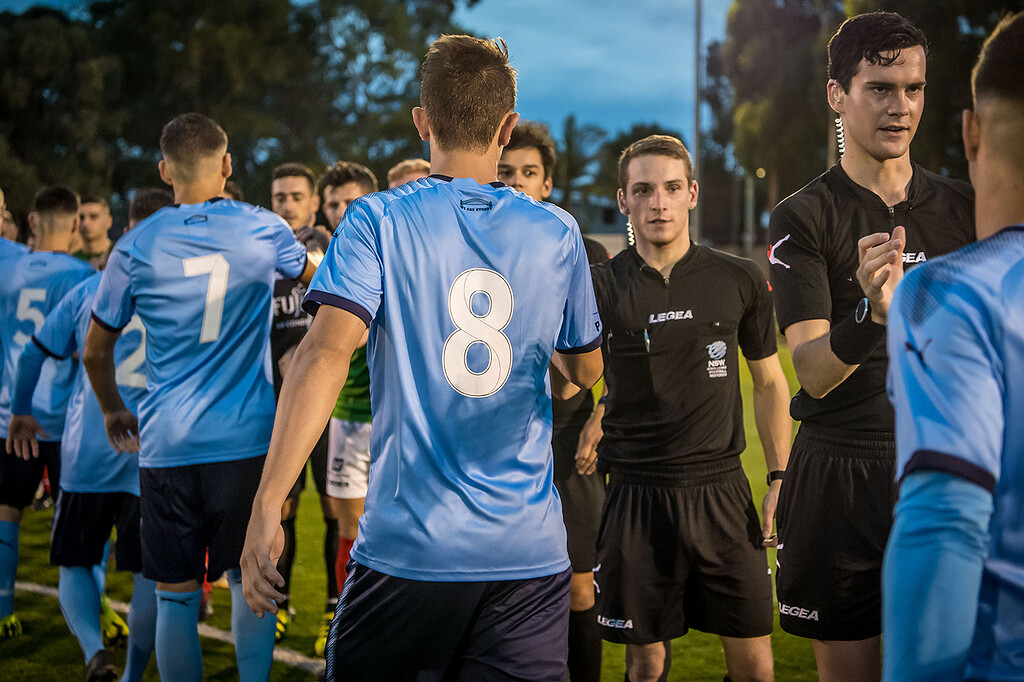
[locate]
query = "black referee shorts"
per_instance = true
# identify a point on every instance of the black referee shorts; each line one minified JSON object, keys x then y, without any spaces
{"x":189,"y":510}
{"x":82,"y":525}
{"x":834,"y":518}
{"x":679,"y":553}
{"x":19,"y":478}
{"x":582,"y":499}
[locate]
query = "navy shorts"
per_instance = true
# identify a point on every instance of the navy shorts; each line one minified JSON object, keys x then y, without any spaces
{"x":82,"y":525}
{"x":388,"y":628}
{"x":19,"y":478}
{"x":189,"y":510}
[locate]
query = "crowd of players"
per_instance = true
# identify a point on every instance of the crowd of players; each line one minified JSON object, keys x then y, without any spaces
{"x":469,"y":317}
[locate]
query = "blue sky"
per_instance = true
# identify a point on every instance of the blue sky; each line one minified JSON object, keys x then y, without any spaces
{"x":611,"y":62}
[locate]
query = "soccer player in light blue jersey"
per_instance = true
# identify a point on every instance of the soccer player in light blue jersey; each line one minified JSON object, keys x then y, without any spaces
{"x":954,"y":567}
{"x":99,"y":488}
{"x":199,"y":274}
{"x":32,"y":284}
{"x":470,"y":290}
{"x":8,"y":247}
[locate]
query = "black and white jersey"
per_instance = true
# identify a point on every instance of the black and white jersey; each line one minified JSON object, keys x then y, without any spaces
{"x":671,"y":356}
{"x":813,"y":255}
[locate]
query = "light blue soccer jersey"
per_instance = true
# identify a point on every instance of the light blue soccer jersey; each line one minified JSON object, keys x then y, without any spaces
{"x":31,"y":286}
{"x":88,"y":462}
{"x":956,"y":376}
{"x":200,"y":277}
{"x":9,"y":248}
{"x":467,"y":289}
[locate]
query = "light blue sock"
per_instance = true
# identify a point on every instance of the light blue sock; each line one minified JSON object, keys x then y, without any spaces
{"x":99,"y":571}
{"x":142,"y":624}
{"x":80,"y":602}
{"x":8,"y":565}
{"x":178,"y":656}
{"x":254,"y":636}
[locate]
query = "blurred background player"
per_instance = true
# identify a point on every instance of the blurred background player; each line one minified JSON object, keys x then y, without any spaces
{"x":32,"y":285}
{"x":954,"y":568}
{"x":99,"y":488}
{"x":460,"y":340}
{"x":680,"y":543}
{"x":839,"y":247}
{"x":294,"y":198}
{"x":348,"y":461}
{"x":526,"y":164}
{"x":94,"y":223}
{"x":9,"y":244}
{"x":204,"y":297}
{"x":232,"y":191}
{"x":407,"y":171}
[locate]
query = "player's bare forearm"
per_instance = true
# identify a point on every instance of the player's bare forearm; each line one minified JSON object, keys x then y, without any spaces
{"x":582,"y":369}
{"x":771,"y":410}
{"x":817,"y":367}
{"x":98,"y":360}
{"x":315,"y":376}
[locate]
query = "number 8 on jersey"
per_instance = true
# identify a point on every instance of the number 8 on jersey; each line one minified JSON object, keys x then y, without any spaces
{"x":472,"y":328}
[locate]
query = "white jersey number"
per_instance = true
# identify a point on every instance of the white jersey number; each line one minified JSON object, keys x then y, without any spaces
{"x":25,"y":312}
{"x":127,"y":373}
{"x":473,"y":328}
{"x":217,"y":268}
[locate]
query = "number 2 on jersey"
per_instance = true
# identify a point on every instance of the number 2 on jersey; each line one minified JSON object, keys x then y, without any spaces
{"x":127,"y":373}
{"x":485,"y":329}
{"x":216,"y":267}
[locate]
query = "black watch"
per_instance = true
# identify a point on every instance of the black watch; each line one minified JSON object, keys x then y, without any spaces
{"x":775,"y":475}
{"x":863,"y":313}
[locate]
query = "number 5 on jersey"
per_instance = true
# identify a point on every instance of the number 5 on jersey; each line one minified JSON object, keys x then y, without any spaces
{"x":216,"y":267}
{"x":485,"y":329}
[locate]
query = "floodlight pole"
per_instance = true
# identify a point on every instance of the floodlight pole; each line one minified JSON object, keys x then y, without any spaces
{"x":695,"y":149}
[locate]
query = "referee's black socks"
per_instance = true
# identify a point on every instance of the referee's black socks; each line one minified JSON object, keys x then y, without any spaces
{"x":584,"y":646}
{"x":284,"y":564}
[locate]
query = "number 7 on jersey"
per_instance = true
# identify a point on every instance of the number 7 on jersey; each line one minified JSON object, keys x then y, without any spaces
{"x":216,"y":267}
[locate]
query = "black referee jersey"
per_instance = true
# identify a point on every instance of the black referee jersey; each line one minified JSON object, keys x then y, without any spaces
{"x":671,"y":357}
{"x":813,"y":255}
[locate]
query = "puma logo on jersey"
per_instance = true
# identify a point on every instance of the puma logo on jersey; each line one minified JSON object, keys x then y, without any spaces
{"x":914,"y":257}
{"x":670,"y":315}
{"x":772,"y":258}
{"x":798,"y":612}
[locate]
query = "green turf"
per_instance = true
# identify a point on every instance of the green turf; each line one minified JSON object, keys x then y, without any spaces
{"x":47,"y":651}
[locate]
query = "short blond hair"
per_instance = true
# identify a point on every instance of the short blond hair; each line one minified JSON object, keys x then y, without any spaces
{"x":408,"y":167}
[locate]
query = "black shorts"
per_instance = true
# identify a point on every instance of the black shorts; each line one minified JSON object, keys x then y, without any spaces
{"x":189,"y":510}
{"x":388,"y":628}
{"x":81,"y":529}
{"x":676,"y":553}
{"x":318,"y":464}
{"x":19,"y":478}
{"x":834,"y":518}
{"x":582,"y":500}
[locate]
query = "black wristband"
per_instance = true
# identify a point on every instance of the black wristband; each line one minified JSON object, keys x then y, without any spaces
{"x":854,"y":342}
{"x":776,"y":475}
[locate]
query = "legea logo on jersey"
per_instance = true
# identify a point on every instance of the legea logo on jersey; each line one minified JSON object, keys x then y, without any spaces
{"x":918,"y":257}
{"x":716,"y":364}
{"x":617,"y":623}
{"x":476,"y":205}
{"x":670,"y":315}
{"x":772,"y":258}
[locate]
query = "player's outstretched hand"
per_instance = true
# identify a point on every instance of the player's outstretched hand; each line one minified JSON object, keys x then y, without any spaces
{"x":586,"y":449}
{"x":264,"y":542}
{"x":768,"y":506}
{"x":122,"y":430}
{"x":881,"y":269}
{"x":21,"y":436}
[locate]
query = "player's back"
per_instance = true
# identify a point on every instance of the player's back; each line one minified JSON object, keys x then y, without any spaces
{"x":200,"y":277}
{"x":32,"y":284}
{"x":474,"y":297}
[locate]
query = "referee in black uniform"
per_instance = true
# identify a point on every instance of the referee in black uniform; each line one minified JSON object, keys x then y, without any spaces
{"x":839,"y":247}
{"x":680,"y":543}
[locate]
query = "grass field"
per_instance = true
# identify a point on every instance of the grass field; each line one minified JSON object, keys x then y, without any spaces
{"x":47,"y":651}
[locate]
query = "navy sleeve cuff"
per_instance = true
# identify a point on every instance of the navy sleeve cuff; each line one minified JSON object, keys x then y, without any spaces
{"x":315,"y":298}
{"x":110,"y":328}
{"x":45,"y":350}
{"x":930,"y":460}
{"x":593,"y":345}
